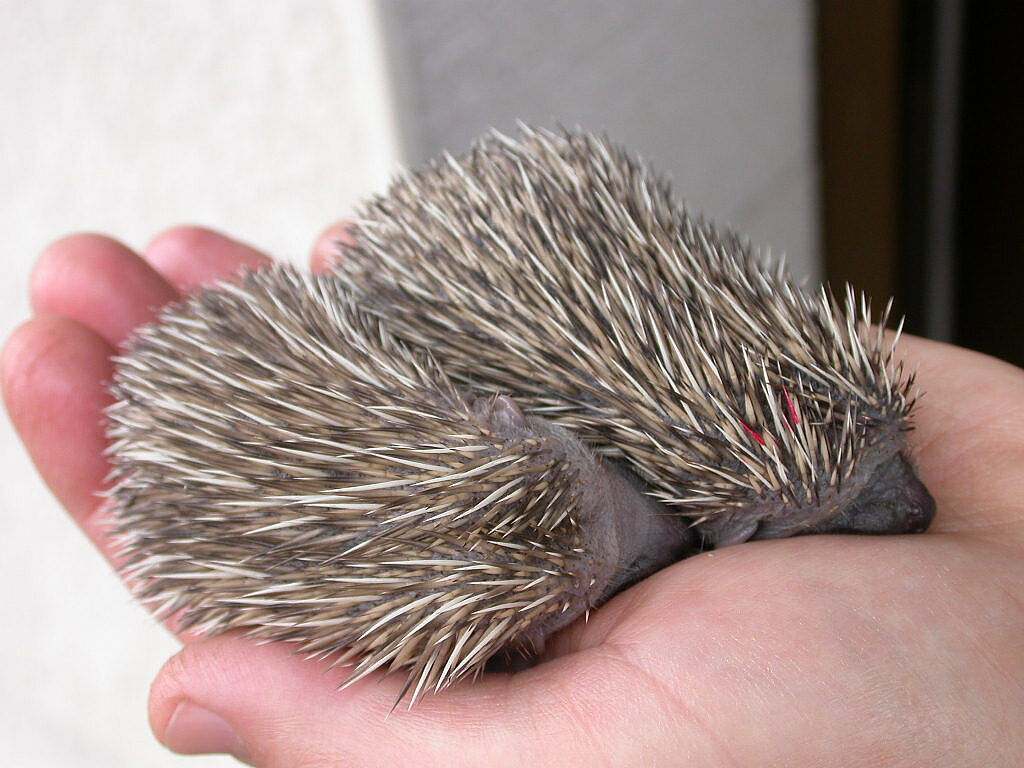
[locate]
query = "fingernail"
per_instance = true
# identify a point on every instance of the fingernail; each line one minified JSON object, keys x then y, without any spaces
{"x":193,"y":730}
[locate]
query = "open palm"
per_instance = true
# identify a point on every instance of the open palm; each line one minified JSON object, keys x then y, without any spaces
{"x":823,"y":650}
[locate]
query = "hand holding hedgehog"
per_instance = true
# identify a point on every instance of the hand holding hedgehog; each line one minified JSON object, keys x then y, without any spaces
{"x":396,"y":463}
{"x":669,"y":630}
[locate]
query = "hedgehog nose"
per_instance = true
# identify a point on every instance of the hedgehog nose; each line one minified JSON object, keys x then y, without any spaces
{"x":920,"y":504}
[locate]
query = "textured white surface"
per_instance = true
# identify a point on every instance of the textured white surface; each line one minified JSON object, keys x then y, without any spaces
{"x":267,"y":120}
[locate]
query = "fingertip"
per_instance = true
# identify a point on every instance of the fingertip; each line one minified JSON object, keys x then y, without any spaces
{"x":185,"y":726}
{"x":327,"y":248}
{"x":52,"y":262}
{"x":165,"y":693}
{"x":49,"y":273}
{"x":99,"y":282}
{"x":14,"y":359}
{"x":234,"y":676}
{"x":39,"y":343}
{"x":190,"y":257}
{"x":281,"y":704}
{"x":53,"y":373}
{"x":226,"y":694}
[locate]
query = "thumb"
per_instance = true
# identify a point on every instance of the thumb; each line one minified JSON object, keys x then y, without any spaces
{"x":269,"y":707}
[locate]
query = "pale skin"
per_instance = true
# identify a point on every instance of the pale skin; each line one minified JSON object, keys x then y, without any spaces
{"x":817,"y":651}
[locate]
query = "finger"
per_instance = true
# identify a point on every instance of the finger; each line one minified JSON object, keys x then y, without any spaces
{"x":969,"y":436}
{"x":268,"y":705}
{"x":306,"y":714}
{"x":190,"y":257}
{"x":327,"y":247}
{"x":100,"y":283}
{"x":53,"y":369}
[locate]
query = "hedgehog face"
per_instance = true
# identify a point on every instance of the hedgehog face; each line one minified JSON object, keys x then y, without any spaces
{"x":888,"y":499}
{"x":894,"y":500}
{"x":810,"y":440}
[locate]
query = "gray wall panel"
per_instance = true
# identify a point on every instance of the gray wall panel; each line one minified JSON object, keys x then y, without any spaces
{"x":717,"y":94}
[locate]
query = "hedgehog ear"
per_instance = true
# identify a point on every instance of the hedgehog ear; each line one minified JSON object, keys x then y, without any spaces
{"x":498,"y":414}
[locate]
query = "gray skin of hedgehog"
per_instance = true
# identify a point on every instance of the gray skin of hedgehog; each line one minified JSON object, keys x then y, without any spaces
{"x":531,"y":380}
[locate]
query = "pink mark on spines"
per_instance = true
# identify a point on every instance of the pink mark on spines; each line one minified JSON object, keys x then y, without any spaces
{"x":752,"y":433}
{"x":794,"y":417}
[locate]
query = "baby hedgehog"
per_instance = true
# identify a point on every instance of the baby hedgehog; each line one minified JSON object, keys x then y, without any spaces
{"x":559,"y":271}
{"x":530,"y":381}
{"x":283,"y":465}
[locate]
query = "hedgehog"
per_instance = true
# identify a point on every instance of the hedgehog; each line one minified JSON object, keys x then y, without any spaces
{"x":559,"y":270}
{"x":284,"y":465}
{"x":529,"y":380}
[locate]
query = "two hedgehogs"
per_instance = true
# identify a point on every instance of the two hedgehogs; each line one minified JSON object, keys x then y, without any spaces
{"x":531,"y":380}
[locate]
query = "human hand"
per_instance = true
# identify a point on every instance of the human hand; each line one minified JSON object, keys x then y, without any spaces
{"x":824,"y":650}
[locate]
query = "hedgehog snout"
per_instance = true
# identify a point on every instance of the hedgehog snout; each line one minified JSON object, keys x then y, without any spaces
{"x":893,"y":500}
{"x":921,"y":506}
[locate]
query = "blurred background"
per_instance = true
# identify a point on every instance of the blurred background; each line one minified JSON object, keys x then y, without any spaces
{"x":875,"y":143}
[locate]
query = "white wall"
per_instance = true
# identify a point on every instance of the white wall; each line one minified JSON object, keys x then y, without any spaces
{"x":269,"y":120}
{"x":266,"y":119}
